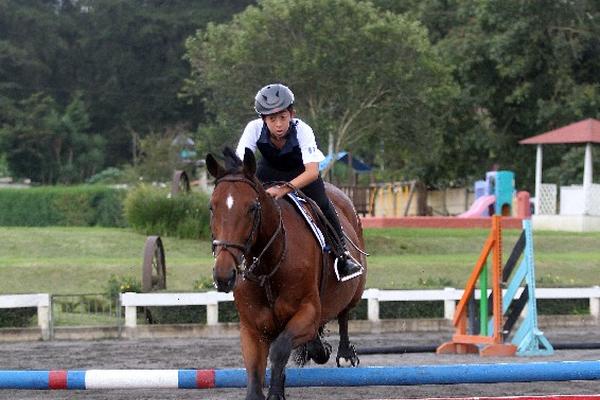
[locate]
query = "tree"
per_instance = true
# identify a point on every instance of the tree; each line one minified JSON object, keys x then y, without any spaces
{"x":124,"y":58}
{"x":361,"y":76}
{"x":527,"y":67}
{"x":50,"y":145}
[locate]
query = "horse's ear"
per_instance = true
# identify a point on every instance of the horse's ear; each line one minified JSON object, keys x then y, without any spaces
{"x":213,"y":166}
{"x":249,"y":162}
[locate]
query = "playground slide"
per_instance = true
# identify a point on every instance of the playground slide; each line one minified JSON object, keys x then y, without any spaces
{"x":479,"y":208}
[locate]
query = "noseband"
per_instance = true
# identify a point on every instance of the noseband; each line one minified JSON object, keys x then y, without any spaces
{"x":247,"y":271}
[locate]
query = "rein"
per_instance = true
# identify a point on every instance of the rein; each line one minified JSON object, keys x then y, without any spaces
{"x":263,"y":280}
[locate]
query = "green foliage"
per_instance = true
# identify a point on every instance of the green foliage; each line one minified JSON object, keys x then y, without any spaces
{"x":203,"y":284}
{"x":106,"y":176}
{"x":563,"y":306}
{"x":151,"y":210}
{"x":429,"y":89}
{"x":362,"y":97}
{"x":3,"y":166}
{"x":49,"y":144}
{"x":178,"y":315}
{"x":121,"y":284}
{"x":569,"y":167}
{"x":17,"y":317}
{"x":524,"y":68}
{"x":124,"y":57}
{"x":157,"y":159}
{"x":228,"y":312}
{"x":62,"y":206}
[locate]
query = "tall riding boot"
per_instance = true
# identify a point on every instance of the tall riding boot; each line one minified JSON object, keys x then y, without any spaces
{"x":347,"y":266}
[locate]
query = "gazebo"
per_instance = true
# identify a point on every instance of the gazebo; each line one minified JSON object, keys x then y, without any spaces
{"x":579,"y":204}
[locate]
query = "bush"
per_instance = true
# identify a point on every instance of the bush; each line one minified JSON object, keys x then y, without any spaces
{"x":107,"y":176}
{"x":122,"y":284}
{"x":17,"y":317}
{"x":178,"y":314}
{"x":152,"y":211}
{"x":563,"y":306}
{"x":62,"y":206}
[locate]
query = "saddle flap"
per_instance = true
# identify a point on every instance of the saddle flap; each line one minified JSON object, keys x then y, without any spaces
{"x":304,"y":209}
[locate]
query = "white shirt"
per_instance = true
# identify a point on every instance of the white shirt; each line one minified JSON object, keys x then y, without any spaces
{"x":306,"y":140}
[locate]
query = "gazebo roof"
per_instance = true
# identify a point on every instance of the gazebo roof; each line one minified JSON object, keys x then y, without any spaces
{"x":586,"y":131}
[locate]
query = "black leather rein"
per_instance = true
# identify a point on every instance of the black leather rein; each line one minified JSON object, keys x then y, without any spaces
{"x":247,"y":271}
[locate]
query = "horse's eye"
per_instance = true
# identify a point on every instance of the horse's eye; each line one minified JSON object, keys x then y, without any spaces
{"x":253,"y":207}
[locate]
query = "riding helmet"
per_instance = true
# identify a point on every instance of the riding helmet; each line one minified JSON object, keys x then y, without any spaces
{"x":272,"y":99}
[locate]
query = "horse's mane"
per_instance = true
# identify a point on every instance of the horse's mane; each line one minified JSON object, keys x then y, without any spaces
{"x":233,"y":164}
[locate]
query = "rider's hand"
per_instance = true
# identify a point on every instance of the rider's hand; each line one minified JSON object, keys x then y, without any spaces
{"x":278,"y":191}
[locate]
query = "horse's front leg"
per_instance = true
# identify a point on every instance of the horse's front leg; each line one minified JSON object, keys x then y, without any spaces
{"x":301,"y":328}
{"x":255,"y":350}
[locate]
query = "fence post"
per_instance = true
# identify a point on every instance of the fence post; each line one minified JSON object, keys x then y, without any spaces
{"x":212,"y":313}
{"x":449,"y":303}
{"x":372,"y":304}
{"x":595,"y":304}
{"x":130,"y":316}
{"x":44,"y":316}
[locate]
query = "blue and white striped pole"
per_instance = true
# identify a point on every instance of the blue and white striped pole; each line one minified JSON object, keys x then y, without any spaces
{"x":304,"y":377}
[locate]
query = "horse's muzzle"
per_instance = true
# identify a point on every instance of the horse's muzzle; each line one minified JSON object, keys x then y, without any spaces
{"x":225,"y":284}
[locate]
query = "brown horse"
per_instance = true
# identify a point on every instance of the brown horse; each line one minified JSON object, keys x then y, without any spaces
{"x":266,"y":254}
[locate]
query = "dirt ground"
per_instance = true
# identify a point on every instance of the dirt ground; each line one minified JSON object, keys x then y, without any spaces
{"x":203,"y":353}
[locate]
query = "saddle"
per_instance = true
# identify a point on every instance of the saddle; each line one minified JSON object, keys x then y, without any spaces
{"x":307,"y":211}
{"x":323,"y":232}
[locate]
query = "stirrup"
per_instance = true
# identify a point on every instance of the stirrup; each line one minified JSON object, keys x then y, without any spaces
{"x":344,"y":278}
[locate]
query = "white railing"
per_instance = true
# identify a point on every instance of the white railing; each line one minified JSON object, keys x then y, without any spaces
{"x":209,"y":299}
{"x":373,"y":296}
{"x":212,"y":299}
{"x":41,"y":301}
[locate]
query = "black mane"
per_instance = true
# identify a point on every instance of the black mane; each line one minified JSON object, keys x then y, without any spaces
{"x":233,"y":164}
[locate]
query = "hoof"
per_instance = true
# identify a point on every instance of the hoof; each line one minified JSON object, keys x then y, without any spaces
{"x":319,"y":352}
{"x":276,"y":397}
{"x":349,"y":354}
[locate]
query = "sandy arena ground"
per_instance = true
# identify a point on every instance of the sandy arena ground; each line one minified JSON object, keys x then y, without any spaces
{"x":205,"y":353}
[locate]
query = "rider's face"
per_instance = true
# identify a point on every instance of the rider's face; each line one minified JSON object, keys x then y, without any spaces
{"x":279,"y":123}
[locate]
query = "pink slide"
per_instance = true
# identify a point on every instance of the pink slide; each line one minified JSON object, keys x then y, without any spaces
{"x":479,"y":207}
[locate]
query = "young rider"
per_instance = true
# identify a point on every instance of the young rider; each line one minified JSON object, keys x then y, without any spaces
{"x":290,"y":153}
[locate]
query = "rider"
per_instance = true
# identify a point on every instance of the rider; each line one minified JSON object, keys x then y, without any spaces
{"x":289,"y":153}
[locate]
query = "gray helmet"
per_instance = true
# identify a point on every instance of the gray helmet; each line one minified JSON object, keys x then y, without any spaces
{"x":272,"y":99}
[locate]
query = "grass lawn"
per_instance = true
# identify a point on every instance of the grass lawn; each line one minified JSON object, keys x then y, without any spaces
{"x":81,"y":260}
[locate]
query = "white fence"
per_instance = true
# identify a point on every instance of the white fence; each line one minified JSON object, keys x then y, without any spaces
{"x":41,"y":301}
{"x":373,"y":296}
{"x":212,"y":299}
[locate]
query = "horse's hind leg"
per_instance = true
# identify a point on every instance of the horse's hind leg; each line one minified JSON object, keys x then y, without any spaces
{"x":317,"y":350}
{"x":346,"y":350}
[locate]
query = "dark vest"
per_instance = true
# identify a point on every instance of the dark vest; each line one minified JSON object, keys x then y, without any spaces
{"x":288,"y":158}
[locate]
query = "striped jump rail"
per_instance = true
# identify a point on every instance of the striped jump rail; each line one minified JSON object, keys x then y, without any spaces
{"x":303,"y":377}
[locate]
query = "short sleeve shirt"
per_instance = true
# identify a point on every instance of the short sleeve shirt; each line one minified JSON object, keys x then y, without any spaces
{"x":300,"y":147}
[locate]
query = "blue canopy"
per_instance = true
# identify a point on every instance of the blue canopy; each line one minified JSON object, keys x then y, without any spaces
{"x":357,"y":165}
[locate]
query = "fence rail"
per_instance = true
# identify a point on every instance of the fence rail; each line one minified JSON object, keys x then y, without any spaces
{"x":130,"y":301}
{"x":41,"y":301}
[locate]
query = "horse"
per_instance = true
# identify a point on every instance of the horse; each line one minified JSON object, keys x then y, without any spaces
{"x":284,"y":294}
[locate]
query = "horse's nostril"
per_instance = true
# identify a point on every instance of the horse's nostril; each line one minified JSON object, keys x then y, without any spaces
{"x":225,"y":283}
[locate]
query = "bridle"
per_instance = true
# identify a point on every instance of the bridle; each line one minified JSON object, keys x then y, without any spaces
{"x":247,"y":271}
